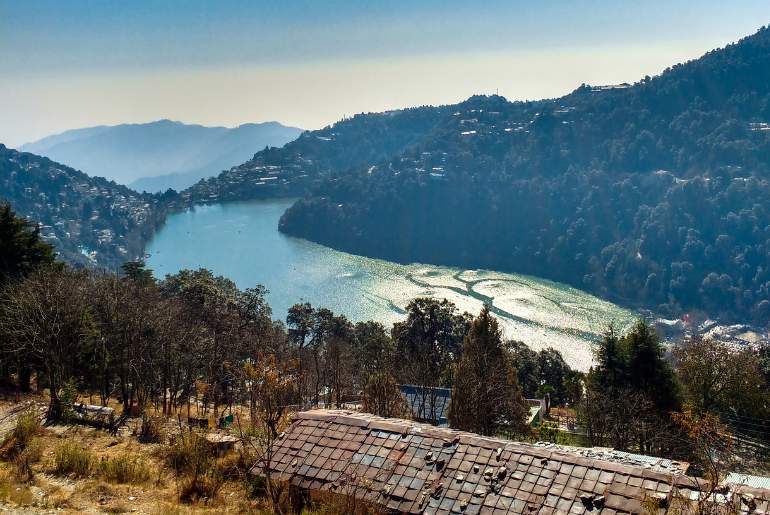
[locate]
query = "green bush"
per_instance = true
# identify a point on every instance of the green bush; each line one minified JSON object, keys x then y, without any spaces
{"x":125,"y":469}
{"x":73,"y":460}
{"x":68,"y":398}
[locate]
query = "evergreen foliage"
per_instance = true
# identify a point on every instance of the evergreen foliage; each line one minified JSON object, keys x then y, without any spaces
{"x":21,"y":247}
{"x":487,"y":398}
{"x":650,"y":194}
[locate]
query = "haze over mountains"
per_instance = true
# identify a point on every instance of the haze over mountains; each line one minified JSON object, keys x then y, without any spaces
{"x":159,"y":155}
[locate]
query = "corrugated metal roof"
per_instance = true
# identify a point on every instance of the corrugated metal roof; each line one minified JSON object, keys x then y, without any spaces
{"x":734,"y":478}
{"x":428,"y":404}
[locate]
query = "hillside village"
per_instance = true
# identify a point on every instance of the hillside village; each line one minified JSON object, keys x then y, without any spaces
{"x":89,"y":220}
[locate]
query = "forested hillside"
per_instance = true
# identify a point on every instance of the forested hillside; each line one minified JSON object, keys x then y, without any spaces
{"x":89,"y":220}
{"x":653,"y":193}
{"x":298,"y":167}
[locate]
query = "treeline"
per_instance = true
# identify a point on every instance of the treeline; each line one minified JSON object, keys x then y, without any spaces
{"x":304,"y":162}
{"x":650,"y":194}
{"x":700,"y":401}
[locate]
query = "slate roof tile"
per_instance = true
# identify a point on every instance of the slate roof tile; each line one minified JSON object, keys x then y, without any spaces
{"x":414,"y":468}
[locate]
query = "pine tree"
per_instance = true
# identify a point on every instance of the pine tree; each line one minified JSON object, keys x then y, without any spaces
{"x":137,"y":271}
{"x":648,"y":371}
{"x":487,"y":398}
{"x":611,"y":371}
{"x":21,"y":248}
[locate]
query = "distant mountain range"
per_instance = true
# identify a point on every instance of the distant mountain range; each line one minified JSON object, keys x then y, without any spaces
{"x":653,"y":194}
{"x":160,"y":155}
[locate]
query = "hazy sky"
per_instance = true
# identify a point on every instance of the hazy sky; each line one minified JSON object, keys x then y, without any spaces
{"x":76,"y":63}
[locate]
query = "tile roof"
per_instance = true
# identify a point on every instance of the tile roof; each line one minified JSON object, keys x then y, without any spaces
{"x":408,"y":467}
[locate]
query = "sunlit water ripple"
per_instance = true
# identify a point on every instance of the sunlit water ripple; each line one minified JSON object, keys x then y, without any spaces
{"x":241,"y":241}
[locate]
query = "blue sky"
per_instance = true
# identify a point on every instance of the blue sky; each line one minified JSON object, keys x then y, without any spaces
{"x":76,"y":63}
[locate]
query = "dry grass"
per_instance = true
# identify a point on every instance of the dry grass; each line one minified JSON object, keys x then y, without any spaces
{"x":96,"y":472}
{"x":11,"y":492}
{"x":74,"y":460}
{"x":26,"y":429}
{"x":151,"y":430}
{"x":124,"y":468}
{"x":191,"y":457}
{"x":22,"y":448}
{"x":23,"y":462}
{"x":189,"y":453}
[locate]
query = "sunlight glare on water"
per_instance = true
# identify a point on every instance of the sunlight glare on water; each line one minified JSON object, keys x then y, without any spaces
{"x":241,"y":241}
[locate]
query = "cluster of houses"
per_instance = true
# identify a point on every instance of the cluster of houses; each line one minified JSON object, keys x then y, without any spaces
{"x":83,"y":217}
{"x":253,"y":179}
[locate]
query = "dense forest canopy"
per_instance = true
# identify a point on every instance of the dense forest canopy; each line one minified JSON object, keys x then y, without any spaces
{"x":652,"y":194}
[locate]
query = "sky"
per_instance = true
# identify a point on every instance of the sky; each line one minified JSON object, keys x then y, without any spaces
{"x":307,"y":63}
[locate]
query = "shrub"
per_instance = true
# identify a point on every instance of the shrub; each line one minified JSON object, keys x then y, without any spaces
{"x":27,"y":427}
{"x":68,"y":399}
{"x":193,"y":457}
{"x":125,"y":469}
{"x":72,"y":459}
{"x":235,"y":466}
{"x":201,"y":487}
{"x":151,"y":430}
{"x":189,"y":454}
{"x":25,"y":459}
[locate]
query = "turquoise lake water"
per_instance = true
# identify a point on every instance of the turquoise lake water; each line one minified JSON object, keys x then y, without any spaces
{"x":241,"y":241}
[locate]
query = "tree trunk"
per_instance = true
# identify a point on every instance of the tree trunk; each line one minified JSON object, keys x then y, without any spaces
{"x":25,"y":379}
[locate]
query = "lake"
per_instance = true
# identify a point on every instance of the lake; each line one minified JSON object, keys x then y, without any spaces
{"x":241,"y":241}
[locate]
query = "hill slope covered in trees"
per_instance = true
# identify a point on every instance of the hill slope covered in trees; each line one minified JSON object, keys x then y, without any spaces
{"x":89,"y":220}
{"x":297,"y":167}
{"x":652,"y":193}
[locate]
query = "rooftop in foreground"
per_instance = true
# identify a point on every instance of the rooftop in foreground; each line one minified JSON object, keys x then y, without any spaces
{"x":408,"y":467}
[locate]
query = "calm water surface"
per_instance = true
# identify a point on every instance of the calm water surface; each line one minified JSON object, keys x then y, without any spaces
{"x":241,"y":241}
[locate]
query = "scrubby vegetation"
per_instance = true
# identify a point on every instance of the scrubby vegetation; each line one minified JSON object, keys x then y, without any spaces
{"x":74,"y":460}
{"x":124,"y":468}
{"x":21,"y":447}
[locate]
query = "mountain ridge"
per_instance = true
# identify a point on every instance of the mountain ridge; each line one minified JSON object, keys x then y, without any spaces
{"x":155,"y":156}
{"x":90,"y":221}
